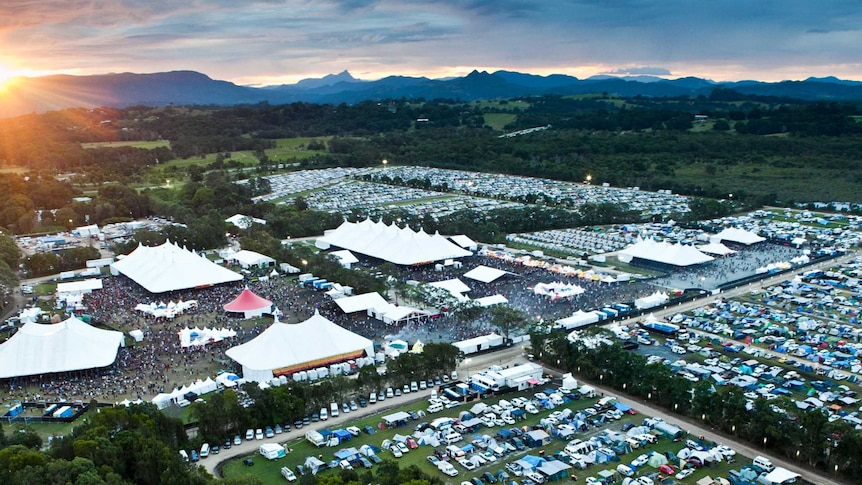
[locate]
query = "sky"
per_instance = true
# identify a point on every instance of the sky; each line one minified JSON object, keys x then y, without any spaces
{"x":265,"y":42}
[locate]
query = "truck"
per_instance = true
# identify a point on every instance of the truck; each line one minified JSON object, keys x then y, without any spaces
{"x":64,"y":412}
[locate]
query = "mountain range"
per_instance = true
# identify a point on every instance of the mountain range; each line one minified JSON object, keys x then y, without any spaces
{"x":39,"y":94}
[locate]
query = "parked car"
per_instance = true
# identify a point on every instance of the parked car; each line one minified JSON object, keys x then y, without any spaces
{"x":684,"y":473}
{"x":258,"y":434}
{"x":369,"y":429}
{"x":237,"y":440}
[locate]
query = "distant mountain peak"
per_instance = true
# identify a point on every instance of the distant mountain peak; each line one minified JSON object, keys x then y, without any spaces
{"x":328,"y":80}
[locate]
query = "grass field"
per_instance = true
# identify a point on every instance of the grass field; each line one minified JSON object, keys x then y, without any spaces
{"x":269,"y":471}
{"x":498,"y":120}
{"x":149,"y":145}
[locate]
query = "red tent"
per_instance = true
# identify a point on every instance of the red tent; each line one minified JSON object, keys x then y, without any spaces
{"x":249,"y":304}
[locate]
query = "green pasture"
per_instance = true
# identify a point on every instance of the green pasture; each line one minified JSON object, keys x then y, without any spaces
{"x":149,"y":145}
{"x":498,"y":121}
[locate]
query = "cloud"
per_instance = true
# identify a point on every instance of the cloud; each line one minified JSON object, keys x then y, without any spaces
{"x":228,"y":38}
{"x":641,"y":71}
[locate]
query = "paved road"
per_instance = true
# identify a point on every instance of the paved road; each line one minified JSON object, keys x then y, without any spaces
{"x":507,"y":356}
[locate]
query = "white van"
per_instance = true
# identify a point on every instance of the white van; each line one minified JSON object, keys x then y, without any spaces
{"x":333,"y":409}
{"x":185,"y":455}
{"x":205,"y":450}
{"x":453,"y":437}
{"x":759,"y":461}
{"x":324,"y":415}
{"x":435,"y":407}
{"x":372,"y":398}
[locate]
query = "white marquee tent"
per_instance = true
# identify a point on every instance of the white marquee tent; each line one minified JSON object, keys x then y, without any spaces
{"x":654,"y":300}
{"x":66,"y":346}
{"x":716,"y":248}
{"x":248,"y":259}
{"x":198,"y":387}
{"x":579,"y":319}
{"x":663,"y":252}
{"x":287,"y":348}
{"x":740,"y":236}
{"x":391,"y":243}
{"x":78,"y":287}
{"x":169,"y":267}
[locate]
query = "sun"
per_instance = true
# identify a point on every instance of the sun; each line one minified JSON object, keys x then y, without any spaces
{"x":8,"y":75}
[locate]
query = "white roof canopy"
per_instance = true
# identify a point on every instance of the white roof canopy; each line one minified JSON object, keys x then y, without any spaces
{"x":83,"y":286}
{"x":345,"y":257}
{"x":463,"y":241}
{"x":487,"y":301}
{"x":168,"y":267}
{"x":60,"y":347}
{"x":391,"y":243}
{"x":485,"y":274}
{"x":455,"y":287}
{"x":361,"y":302}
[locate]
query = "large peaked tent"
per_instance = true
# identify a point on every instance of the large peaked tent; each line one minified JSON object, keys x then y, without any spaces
{"x":168,"y":267}
{"x":664,"y":252}
{"x":741,"y":236}
{"x":249,"y":304}
{"x":61,"y":347}
{"x":391,"y":243}
{"x":285,"y":348}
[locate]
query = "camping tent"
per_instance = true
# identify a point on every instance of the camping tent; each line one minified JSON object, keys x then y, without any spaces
{"x":249,"y":304}
{"x":168,"y":267}
{"x":61,"y":347}
{"x":287,"y":348}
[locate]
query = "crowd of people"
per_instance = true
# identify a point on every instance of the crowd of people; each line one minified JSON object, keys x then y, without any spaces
{"x":159,"y":363}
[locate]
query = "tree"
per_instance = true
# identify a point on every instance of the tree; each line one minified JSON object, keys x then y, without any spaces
{"x":507,"y":319}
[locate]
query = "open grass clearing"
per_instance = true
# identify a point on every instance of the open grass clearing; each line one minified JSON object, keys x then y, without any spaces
{"x":498,"y":121}
{"x":149,"y":145}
